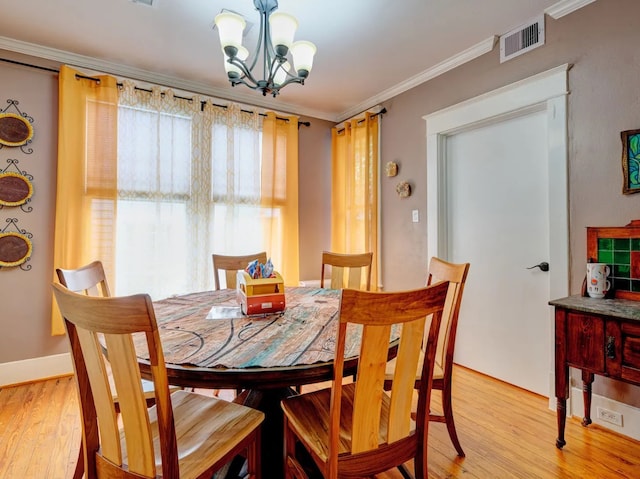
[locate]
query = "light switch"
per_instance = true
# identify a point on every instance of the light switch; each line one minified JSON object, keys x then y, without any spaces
{"x":415,"y":216}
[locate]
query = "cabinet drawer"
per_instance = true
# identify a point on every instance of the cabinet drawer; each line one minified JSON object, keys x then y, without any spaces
{"x":631,"y":352}
{"x":585,"y":342}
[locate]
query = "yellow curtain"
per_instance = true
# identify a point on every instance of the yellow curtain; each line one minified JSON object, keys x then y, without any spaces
{"x":87,"y":174}
{"x":354,"y":189}
{"x":279,"y":194}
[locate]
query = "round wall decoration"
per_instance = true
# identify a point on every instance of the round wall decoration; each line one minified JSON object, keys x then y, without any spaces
{"x":391,"y":168}
{"x":15,"y":130}
{"x":403,"y":189}
{"x":15,"y":249}
{"x":15,"y":189}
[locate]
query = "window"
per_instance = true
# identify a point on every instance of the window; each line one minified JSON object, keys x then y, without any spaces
{"x":188,"y":186}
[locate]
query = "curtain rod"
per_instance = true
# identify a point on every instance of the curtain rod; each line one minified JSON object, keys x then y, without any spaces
{"x":381,"y":112}
{"x":202,"y":103}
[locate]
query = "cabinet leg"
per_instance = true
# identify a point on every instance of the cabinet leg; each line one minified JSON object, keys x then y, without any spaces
{"x":561,"y":411}
{"x":587,"y":381}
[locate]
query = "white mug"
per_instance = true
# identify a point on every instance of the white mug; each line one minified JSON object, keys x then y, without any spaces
{"x":597,"y":283}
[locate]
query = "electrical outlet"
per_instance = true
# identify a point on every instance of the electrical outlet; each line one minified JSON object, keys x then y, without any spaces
{"x":610,"y":416}
{"x":415,"y":216}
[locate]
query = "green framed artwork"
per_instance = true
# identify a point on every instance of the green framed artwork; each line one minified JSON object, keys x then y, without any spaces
{"x":630,"y":161}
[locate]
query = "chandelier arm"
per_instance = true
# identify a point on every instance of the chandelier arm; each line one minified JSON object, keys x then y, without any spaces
{"x":245,"y":71}
{"x":291,"y":75}
{"x":238,"y":81}
{"x":273,"y":69}
{"x":263,"y":17}
{"x":291,"y":80}
{"x":269,"y":54}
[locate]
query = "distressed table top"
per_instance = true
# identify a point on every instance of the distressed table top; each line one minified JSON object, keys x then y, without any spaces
{"x":208,"y":330}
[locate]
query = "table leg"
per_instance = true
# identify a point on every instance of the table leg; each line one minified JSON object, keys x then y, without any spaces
{"x":561,"y":411}
{"x":587,"y":381}
{"x":268,"y":401}
{"x":562,"y":374}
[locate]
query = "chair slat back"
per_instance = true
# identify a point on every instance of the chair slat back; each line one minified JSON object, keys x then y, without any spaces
{"x":456,"y":275}
{"x":376,"y":314}
{"x":351,"y":271}
{"x":89,"y":279}
{"x":116,"y":319}
{"x":231,"y":265}
{"x":133,"y":406}
{"x":101,"y":391}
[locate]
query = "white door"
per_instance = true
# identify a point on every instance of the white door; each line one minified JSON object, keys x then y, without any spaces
{"x":497,"y":197}
{"x":502,"y":205}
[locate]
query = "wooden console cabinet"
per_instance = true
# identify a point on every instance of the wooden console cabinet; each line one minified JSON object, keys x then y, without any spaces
{"x":597,"y":336}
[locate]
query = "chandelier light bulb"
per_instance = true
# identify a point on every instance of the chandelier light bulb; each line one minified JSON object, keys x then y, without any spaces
{"x":303,"y":52}
{"x":281,"y":73}
{"x":233,"y":71}
{"x":283,"y":29}
{"x":230,"y":27}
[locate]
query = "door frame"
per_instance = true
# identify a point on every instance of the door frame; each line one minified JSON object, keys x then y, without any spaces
{"x":546,"y":91}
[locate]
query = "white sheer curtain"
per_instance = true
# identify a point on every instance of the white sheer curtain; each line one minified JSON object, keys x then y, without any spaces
{"x":188,"y":186}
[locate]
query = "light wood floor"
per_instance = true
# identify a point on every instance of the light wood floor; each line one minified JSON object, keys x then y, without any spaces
{"x":506,"y":433}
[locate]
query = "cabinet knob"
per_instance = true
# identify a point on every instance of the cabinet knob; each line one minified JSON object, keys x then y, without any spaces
{"x":611,"y":347}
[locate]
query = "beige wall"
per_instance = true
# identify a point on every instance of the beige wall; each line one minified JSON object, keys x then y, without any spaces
{"x":25,"y":296}
{"x":601,"y":41}
{"x":314,"y":199}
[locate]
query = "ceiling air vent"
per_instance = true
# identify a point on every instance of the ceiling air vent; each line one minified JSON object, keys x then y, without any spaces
{"x":522,"y":39}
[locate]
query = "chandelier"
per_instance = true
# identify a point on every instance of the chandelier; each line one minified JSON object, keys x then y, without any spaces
{"x":275,"y":41}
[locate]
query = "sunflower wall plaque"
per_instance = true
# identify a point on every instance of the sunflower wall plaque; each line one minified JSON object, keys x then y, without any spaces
{"x":15,"y":189}
{"x":15,"y":246}
{"x":15,"y":127}
{"x":15,"y":130}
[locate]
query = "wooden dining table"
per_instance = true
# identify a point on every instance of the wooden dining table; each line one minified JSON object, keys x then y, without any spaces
{"x":209,"y":343}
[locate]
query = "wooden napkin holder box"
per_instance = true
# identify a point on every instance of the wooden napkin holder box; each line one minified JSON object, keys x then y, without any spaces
{"x":260,"y":295}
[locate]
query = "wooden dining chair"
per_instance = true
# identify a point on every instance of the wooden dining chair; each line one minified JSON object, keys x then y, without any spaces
{"x":347,"y":270}
{"x":91,"y":280}
{"x":356,"y":429}
{"x":456,"y":275}
{"x":230,"y":265}
{"x":184,"y":435}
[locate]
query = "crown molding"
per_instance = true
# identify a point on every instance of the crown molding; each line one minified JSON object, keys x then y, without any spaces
{"x":565,"y":7}
{"x":558,"y":10}
{"x":124,"y":71}
{"x":450,"y":63}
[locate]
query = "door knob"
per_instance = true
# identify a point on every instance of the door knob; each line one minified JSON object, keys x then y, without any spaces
{"x":544,"y":266}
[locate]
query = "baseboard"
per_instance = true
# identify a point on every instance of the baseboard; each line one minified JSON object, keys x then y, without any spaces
{"x":630,"y":415}
{"x":310,"y":283}
{"x":35,"y":369}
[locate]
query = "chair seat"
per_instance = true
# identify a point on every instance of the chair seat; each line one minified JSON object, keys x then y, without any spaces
{"x":314,"y":426}
{"x":149,"y":392}
{"x":206,"y":430}
{"x":438,"y":372}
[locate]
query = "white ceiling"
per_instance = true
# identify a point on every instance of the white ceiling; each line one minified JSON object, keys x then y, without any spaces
{"x":368,"y":50}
